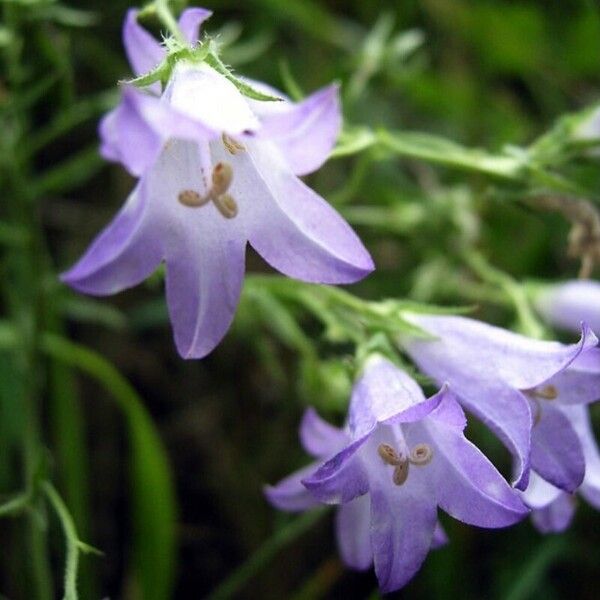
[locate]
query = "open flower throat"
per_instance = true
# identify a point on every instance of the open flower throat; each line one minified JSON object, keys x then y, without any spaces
{"x":419,"y":456}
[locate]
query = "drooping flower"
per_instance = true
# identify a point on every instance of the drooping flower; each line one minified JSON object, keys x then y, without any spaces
{"x":216,"y":171}
{"x":565,"y":305}
{"x":516,"y":385}
{"x":398,"y":458}
{"x":553,"y":508}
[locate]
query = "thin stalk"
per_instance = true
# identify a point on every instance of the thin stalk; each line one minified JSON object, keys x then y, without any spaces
{"x":71,"y":537}
{"x":163,"y":12}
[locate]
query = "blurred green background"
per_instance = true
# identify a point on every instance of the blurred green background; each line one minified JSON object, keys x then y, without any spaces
{"x":481,"y":72}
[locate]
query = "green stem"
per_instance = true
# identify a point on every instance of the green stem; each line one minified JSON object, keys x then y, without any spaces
{"x":163,"y":12}
{"x":528,"y":322}
{"x":71,"y":538}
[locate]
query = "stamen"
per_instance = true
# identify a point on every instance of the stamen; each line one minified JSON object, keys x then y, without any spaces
{"x":222,"y":176}
{"x":226,"y":205}
{"x":192,"y":199}
{"x":401,"y":473}
{"x":388,"y":455}
{"x":421,"y":454}
{"x":232,"y":146}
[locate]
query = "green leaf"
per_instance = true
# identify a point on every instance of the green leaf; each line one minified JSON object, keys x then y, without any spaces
{"x":353,"y":140}
{"x":153,"y":510}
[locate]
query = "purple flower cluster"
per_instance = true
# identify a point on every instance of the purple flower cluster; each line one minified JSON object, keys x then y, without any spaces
{"x":399,"y":455}
{"x":216,"y":170}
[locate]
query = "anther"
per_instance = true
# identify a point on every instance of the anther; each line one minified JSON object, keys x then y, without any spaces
{"x":548,"y":392}
{"x":421,"y":454}
{"x":401,"y":473}
{"x":222,"y":176}
{"x":388,"y":455}
{"x":232,"y":146}
{"x":226,"y":205}
{"x":192,"y":199}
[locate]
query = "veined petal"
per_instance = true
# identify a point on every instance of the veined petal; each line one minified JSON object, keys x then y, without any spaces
{"x":504,"y":410}
{"x":190,"y":21}
{"x":385,"y":394}
{"x":318,"y":437}
{"x":204,"y":282}
{"x":340,"y":479}
{"x":200,"y":93}
{"x":565,"y":305}
{"x":465,"y":483}
{"x":555,"y":517}
{"x":353,"y":524}
{"x":472,"y":346}
{"x":403,"y":520}
{"x":304,"y":132}
{"x":556,"y":452}
{"x":143,"y":51}
{"x":293,"y":228}
{"x":204,"y":251}
{"x":289,"y":494}
{"x":135,"y":132}
{"x":123,"y":255}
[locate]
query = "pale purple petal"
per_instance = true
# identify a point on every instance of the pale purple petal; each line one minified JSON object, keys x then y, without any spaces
{"x":353,"y":525}
{"x":127,"y":137}
{"x":540,"y":493}
{"x":318,"y":437}
{"x":575,"y":386}
{"x":403,"y":519}
{"x":490,"y":352}
{"x":136,"y":131}
{"x":440,"y":537}
{"x":386,"y":394}
{"x":464,"y":482}
{"x":555,"y":517}
{"x":190,"y":21}
{"x":556,"y":452}
{"x":200,"y":93}
{"x":565,"y":305}
{"x":289,"y":494}
{"x":293,"y":228}
{"x":579,"y":417}
{"x":123,"y":255}
{"x":304,"y":132}
{"x":340,"y":479}
{"x":505,"y":411}
{"x":143,"y":51}
{"x":204,"y":251}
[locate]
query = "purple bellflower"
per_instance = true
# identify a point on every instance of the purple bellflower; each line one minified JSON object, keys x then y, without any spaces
{"x":553,"y":508}
{"x":517,"y":386}
{"x":216,"y":171}
{"x":565,"y":305}
{"x":398,"y":458}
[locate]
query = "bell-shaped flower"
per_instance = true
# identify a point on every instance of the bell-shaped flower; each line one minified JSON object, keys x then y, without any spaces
{"x":516,"y":386}
{"x":565,"y":305}
{"x":553,"y":508}
{"x":217,"y":171}
{"x":398,"y":458}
